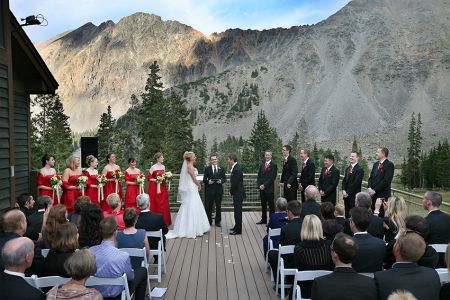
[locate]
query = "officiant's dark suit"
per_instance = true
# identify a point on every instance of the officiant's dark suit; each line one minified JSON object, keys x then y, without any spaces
{"x":214,"y":191}
{"x":289,"y":175}
{"x":237,"y":192}
{"x":328,"y":182}
{"x":266,"y":176}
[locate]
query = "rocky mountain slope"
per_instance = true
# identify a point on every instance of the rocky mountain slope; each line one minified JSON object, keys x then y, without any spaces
{"x":361,"y":72}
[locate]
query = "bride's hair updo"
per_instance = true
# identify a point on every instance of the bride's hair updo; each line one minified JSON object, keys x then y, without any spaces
{"x":188,"y":155}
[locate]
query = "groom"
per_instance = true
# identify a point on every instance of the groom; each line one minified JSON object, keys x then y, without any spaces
{"x":214,"y":178}
{"x":237,"y":192}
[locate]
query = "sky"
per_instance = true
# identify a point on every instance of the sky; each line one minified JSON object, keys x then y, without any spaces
{"x":205,"y":16}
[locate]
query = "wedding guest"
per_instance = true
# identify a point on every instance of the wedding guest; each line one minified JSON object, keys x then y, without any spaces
{"x":92,"y":184}
{"x":277,"y":220}
{"x":339,"y":211}
{"x":57,"y":216}
{"x":130,"y":180}
{"x":36,"y":219}
{"x":395,"y":210}
{"x":110,"y":186}
{"x":63,"y":246}
{"x":445,"y":289}
{"x":89,"y":233}
{"x":131,"y":237}
{"x":159,"y":197}
{"x":329,"y":223}
{"x":80,"y":266}
{"x":26,"y":204}
{"x":310,"y":206}
{"x":75,"y":216}
{"x":71,"y":190}
{"x":44,"y":175}
{"x":115,"y":210}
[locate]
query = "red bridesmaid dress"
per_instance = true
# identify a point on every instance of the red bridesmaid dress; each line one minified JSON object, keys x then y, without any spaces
{"x":159,"y":203}
{"x":110,"y":188}
{"x":70,"y":196}
{"x":45,"y":180}
{"x":132,"y":191}
{"x":92,"y":192}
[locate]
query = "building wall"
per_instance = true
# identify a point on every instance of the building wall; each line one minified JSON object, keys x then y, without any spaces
{"x":5,"y":191}
{"x":21,"y":142}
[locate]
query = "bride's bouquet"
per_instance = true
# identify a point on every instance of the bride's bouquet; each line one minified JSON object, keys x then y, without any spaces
{"x":140,"y":179}
{"x":101,"y":182}
{"x":117,"y":175}
{"x":82,"y":182}
{"x":56,"y":183}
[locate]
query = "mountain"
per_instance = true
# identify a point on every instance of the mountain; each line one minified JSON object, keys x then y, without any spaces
{"x":360,"y":72}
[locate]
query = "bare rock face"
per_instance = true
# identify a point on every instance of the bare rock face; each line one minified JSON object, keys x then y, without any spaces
{"x":361,"y":72}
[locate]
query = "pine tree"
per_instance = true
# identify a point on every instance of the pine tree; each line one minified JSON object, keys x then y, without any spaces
{"x":199,"y":148}
{"x":295,"y":144}
{"x":315,"y":156}
{"x":105,"y":135}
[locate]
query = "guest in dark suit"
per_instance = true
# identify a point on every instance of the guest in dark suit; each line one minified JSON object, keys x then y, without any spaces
{"x":289,"y":235}
{"x":406,"y":275}
{"x":277,"y":220}
{"x":17,"y":256}
{"x":266,"y":177}
{"x":339,"y":212}
{"x":328,"y":180}
{"x":289,"y":174}
{"x":237,"y":192}
{"x":379,"y":184}
{"x":26,"y":204}
{"x":371,"y":250}
{"x":308,"y":172}
{"x":351,"y":184}
{"x":36,"y":219}
{"x":344,"y":282}
{"x":150,"y":221}
{"x":310,"y":206}
{"x":214,"y":178}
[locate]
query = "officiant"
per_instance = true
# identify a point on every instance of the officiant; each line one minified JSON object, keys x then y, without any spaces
{"x":214,"y":178}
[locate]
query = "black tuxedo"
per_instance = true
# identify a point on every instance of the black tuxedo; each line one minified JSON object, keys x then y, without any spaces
{"x":237,"y":192}
{"x":214,"y":191}
{"x":310,"y":207}
{"x":370,"y":254}
{"x":266,"y":176}
{"x":352,"y":185}
{"x":152,"y":222}
{"x":328,"y":182}
{"x":289,"y":176}
{"x":35,"y":220}
{"x":16,"y":288}
{"x":422,"y":282}
{"x":307,"y":176}
{"x":439,"y":224}
{"x":380,"y":181}
{"x":289,"y":235}
{"x":343,"y":283}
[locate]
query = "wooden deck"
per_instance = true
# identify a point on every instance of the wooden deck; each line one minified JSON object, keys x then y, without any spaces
{"x":217,"y":265}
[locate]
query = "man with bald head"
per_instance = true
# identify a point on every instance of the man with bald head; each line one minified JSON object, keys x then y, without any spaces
{"x":310,"y":206}
{"x":14,"y":226}
{"x":17,"y":256}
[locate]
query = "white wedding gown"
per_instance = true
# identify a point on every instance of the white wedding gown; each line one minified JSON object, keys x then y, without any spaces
{"x":191,"y":220}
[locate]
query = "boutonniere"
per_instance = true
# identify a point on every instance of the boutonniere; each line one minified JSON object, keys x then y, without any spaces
{"x":380,"y":168}
{"x":328,"y":172}
{"x":350,"y":170}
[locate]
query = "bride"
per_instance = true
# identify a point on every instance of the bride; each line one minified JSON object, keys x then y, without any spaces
{"x":191,"y":220}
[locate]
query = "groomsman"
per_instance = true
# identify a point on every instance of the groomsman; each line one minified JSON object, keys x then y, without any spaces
{"x":351,"y":184}
{"x":214,"y":178}
{"x":266,"y":177}
{"x":379,"y":184}
{"x":328,"y":180}
{"x":289,"y":174}
{"x":237,"y":192}
{"x":308,"y":172}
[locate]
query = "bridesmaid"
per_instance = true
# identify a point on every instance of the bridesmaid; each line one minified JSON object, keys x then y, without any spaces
{"x":159,"y":198}
{"x":70,"y":187}
{"x":110,"y":186}
{"x":132,"y":188}
{"x":44,"y":175}
{"x":92,"y":174}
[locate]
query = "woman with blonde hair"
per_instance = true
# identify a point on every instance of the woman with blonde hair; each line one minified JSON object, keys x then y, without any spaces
{"x":396,"y":213}
{"x":159,"y":197}
{"x":92,"y":173}
{"x":71,"y":190}
{"x":313,"y":252}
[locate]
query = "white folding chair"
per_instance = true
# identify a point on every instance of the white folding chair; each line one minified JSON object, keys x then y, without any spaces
{"x":306,"y":276}
{"x":159,"y":253}
{"x":298,"y":294}
{"x":270,"y":234}
{"x":45,"y":252}
{"x":141,"y":253}
{"x":444,"y":275}
{"x":282,"y":272}
{"x":370,"y":275}
{"x":48,"y":281}
{"x":121,"y":281}
{"x":440,"y":248}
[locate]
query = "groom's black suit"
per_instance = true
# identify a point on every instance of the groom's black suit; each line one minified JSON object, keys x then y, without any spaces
{"x":237,"y":192}
{"x":214,"y":191}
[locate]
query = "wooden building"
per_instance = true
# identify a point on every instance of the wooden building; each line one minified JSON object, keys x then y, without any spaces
{"x":22,"y":73}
